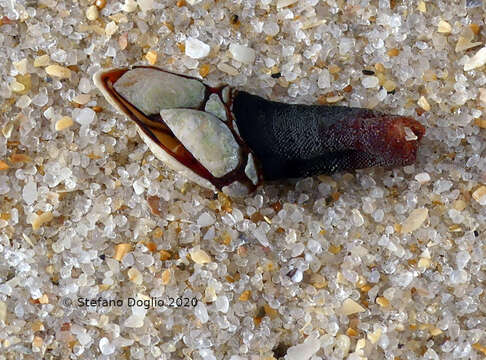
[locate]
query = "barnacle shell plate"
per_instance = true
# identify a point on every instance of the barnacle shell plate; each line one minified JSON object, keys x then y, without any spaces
{"x":215,"y":106}
{"x":152,"y":90}
{"x":172,"y":163}
{"x":207,"y":138}
{"x":250,"y":170}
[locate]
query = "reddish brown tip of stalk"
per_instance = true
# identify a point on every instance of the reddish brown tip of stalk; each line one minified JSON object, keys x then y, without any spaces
{"x":401,"y":146}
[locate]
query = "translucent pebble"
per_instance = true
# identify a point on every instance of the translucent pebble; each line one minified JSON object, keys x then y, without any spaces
{"x":128,"y":260}
{"x":374,"y":276}
{"x":350,"y":275}
{"x":350,"y":307}
{"x":314,"y":246}
{"x":29,"y":192}
{"x":260,"y":235}
{"x":442,"y":185}
{"x":111,"y":51}
{"x":444,"y":27}
{"x":297,"y":276}
{"x":305,"y":350}
{"x":271,"y":28}
{"x":200,"y":256}
{"x":242,"y":53}
{"x":404,"y":278}
{"x":377,"y":43}
{"x":84,"y":85}
{"x":146,"y":5}
{"x":196,"y":49}
{"x":17,"y":87}
{"x":284,"y":3}
{"x":105,"y":347}
{"x":297,"y":249}
{"x":138,"y":186}
{"x":416,"y":218}
{"x":411,"y":200}
{"x":19,"y":311}
{"x":207,"y":354}
{"x":129,"y":6}
{"x":471,"y":4}
{"x":139,"y":310}
{"x":5,"y":289}
{"x":395,"y":20}
{"x":85,"y":117}
{"x":145,"y":260}
{"x":462,"y":258}
{"x":370,"y":82}
{"x":21,"y":66}
{"x":378,"y":215}
{"x":422,"y":178}
{"x":78,"y":350}
{"x":134,"y":321}
{"x":374,"y":336}
{"x":82,"y":99}
{"x":58,"y":71}
{"x":49,"y":113}
{"x":377,"y":192}
{"x":222,"y":304}
{"x":42,"y":60}
{"x":480,"y":195}
{"x":346,"y":45}
{"x":343,"y":342}
{"x":288,"y":50}
{"x":92,"y":13}
{"x":201,"y":312}
{"x":59,"y":56}
{"x":476,"y":61}
{"x":458,"y":277}
{"x":23,"y":102}
{"x":455,"y":216}
{"x":448,"y":345}
{"x":57,"y":247}
{"x":430,"y":354}
{"x":324,"y":80}
{"x":205,"y":219}
{"x":41,"y":219}
{"x":41,"y":98}
{"x":409,"y":134}
{"x":111,"y":28}
{"x":368,"y":205}
{"x":381,"y":94}
{"x":357,"y":217}
{"x":230,"y":70}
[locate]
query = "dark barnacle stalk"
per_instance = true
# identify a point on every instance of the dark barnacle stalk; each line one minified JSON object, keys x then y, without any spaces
{"x":230,"y":140}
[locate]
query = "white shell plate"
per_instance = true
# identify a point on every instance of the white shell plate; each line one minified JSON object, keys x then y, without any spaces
{"x":250,"y":170}
{"x":215,"y":106}
{"x":206,"y":137}
{"x":151,"y":90}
